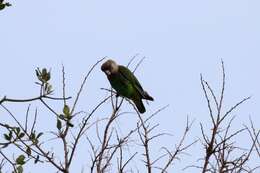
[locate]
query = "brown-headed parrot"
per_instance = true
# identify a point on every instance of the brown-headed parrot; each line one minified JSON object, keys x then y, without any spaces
{"x":125,"y":83}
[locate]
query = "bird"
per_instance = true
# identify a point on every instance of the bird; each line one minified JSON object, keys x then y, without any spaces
{"x":125,"y":83}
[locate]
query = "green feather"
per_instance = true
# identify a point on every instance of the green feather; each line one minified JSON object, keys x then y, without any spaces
{"x":127,"y":85}
{"x":122,"y":85}
{"x":130,"y":77}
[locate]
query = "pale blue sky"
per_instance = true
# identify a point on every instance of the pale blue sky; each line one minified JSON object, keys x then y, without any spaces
{"x":180,"y":39}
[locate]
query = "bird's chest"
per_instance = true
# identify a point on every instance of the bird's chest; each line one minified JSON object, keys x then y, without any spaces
{"x":121,"y":85}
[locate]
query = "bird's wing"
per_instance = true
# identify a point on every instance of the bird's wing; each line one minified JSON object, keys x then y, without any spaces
{"x":127,"y":74}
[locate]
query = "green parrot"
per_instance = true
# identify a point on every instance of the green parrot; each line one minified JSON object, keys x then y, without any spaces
{"x":125,"y":83}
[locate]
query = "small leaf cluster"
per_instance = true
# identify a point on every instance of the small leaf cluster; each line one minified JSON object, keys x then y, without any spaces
{"x":19,"y":162}
{"x":66,"y":116}
{"x":16,"y":135}
{"x":44,"y":77}
{"x":35,"y":137}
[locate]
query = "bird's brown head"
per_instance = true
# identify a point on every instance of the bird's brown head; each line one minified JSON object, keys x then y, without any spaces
{"x":109,"y":67}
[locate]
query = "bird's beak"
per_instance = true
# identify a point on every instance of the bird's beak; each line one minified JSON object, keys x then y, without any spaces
{"x":108,"y":72}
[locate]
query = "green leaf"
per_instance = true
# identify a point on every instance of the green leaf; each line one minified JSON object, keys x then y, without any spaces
{"x":35,"y":141}
{"x":10,"y":134}
{"x":48,"y":76}
{"x":58,"y":125}
{"x":20,"y":160}
{"x":21,"y":135}
{"x":2,"y":6}
{"x":49,"y":89}
{"x":8,"y":4}
{"x":44,"y":71}
{"x":5,"y":145}
{"x":7,"y":137}
{"x":66,"y":111}
{"x":37,"y":72}
{"x":19,"y":169}
{"x":32,"y":136}
{"x":37,"y":159}
{"x":39,"y":135}
{"x":17,"y":129}
{"x":28,"y":151}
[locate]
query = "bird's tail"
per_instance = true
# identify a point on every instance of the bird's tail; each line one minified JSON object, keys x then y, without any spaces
{"x":139,"y":104}
{"x":147,"y":96}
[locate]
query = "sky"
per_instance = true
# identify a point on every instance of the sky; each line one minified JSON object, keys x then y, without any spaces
{"x":179,"y":39}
